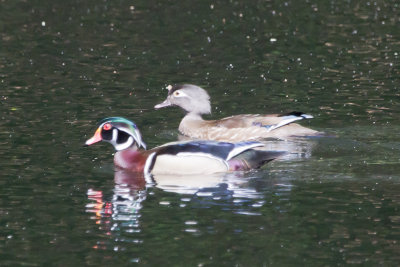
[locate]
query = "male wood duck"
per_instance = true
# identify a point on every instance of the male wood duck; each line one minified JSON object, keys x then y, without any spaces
{"x":192,"y":157}
{"x":196,"y":102}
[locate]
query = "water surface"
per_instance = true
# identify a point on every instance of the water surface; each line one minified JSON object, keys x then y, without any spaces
{"x":65,"y":65}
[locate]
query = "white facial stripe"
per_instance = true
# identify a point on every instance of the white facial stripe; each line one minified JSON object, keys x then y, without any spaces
{"x":115,"y":135}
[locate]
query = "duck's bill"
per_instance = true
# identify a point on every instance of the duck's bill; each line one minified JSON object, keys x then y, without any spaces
{"x":96,"y":138}
{"x":166,"y":103}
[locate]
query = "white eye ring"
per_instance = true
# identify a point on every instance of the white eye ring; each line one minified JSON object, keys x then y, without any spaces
{"x":179,"y":94}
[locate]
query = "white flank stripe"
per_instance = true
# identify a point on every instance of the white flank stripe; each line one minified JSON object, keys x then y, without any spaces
{"x":149,"y":180}
{"x":148,"y":163}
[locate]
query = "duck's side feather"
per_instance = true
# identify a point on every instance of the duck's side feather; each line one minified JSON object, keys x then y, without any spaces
{"x":195,"y":157}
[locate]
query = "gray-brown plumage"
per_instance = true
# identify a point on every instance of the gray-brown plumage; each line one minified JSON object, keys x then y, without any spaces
{"x":196,"y":102}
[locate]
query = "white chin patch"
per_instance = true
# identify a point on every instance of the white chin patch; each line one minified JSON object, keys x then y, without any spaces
{"x":125,"y":145}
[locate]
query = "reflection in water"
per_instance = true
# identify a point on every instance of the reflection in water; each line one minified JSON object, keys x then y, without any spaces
{"x":122,"y":211}
{"x":297,"y":147}
{"x":120,"y":215}
{"x":204,"y":185}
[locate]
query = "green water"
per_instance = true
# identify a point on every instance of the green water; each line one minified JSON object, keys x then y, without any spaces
{"x":64,"y":65}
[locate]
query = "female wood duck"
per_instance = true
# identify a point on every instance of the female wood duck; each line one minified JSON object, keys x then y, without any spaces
{"x":196,"y":102}
{"x":192,"y":157}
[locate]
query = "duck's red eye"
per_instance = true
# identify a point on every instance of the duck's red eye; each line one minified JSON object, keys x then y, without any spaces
{"x":107,"y":126}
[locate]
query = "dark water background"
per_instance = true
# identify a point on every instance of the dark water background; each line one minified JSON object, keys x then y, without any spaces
{"x":64,"y":65}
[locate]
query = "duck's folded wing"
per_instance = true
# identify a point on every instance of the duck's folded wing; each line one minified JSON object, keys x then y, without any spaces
{"x":288,"y":119}
{"x":223,"y":150}
{"x":270,"y":122}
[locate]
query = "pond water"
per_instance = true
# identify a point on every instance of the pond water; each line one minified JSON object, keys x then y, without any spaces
{"x":64,"y":65}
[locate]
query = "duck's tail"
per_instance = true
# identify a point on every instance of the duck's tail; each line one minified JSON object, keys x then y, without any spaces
{"x":253,"y":159}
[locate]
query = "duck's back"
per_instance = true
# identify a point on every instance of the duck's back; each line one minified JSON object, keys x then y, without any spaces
{"x":246,"y":120}
{"x":242,"y":127}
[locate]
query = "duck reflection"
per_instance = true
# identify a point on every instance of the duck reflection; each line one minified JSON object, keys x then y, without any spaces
{"x":123,"y":208}
{"x":297,"y":147}
{"x":131,"y":189}
{"x":119,"y":216}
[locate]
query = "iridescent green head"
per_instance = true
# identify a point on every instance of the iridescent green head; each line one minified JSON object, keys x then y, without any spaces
{"x":119,"y":132}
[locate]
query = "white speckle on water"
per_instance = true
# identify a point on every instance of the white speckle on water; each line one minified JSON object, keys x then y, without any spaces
{"x":191,"y":230}
{"x":204,"y":194}
{"x":43,"y":23}
{"x":229,"y":67}
{"x":258,"y":204}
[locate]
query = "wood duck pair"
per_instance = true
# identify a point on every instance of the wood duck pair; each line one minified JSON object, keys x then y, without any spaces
{"x":196,"y":102}
{"x":191,"y":157}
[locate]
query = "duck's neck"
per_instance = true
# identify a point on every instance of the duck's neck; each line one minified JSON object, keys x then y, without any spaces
{"x":190,"y":122}
{"x":131,"y":159}
{"x":193,"y":116}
